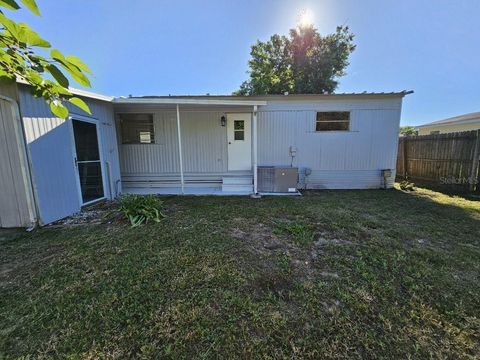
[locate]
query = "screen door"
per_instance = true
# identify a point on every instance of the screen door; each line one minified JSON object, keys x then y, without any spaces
{"x":87,"y":160}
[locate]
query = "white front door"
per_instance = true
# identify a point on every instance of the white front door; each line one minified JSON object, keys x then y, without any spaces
{"x":239,"y":137}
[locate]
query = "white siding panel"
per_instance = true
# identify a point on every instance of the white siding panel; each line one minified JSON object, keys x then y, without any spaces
{"x":204,"y":146}
{"x":16,"y":200}
{"x":338,"y":159}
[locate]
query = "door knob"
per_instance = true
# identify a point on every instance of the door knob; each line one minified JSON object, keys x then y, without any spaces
{"x":229,"y":143}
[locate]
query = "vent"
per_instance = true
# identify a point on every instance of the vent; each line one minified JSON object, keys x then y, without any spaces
{"x":266,"y":175}
{"x":277,"y":179}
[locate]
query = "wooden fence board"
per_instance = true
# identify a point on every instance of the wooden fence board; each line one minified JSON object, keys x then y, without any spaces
{"x":441,"y":160}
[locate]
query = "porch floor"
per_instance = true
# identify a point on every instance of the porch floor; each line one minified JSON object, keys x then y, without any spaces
{"x":187,"y":191}
{"x":198,"y":191}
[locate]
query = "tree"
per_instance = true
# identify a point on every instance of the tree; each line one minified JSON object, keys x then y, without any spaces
{"x":305,"y":62}
{"x":20,"y":59}
{"x":407,"y":130}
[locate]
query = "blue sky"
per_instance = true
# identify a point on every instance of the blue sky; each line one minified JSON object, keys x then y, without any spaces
{"x":147,"y":47}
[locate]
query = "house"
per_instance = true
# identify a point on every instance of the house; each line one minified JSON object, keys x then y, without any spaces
{"x":50,"y":167}
{"x":467,"y":122}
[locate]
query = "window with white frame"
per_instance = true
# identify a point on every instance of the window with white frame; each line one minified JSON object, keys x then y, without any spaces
{"x":333,"y":121}
{"x":137,"y":128}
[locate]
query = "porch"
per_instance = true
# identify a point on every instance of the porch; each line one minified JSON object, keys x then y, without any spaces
{"x":187,"y":146}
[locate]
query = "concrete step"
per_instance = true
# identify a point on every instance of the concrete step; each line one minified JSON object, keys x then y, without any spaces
{"x":237,"y":188}
{"x":237,"y":180}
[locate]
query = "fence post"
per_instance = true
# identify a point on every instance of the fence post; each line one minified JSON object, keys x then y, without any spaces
{"x":405,"y":160}
{"x":475,"y":160}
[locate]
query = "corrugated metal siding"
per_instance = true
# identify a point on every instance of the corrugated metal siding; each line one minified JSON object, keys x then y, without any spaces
{"x":16,"y":199}
{"x":346,"y":160}
{"x":203,"y":140}
{"x":50,"y":147}
{"x":352,"y":159}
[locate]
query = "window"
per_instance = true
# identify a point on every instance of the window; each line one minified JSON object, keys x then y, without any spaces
{"x":137,"y":128}
{"x":333,"y":121}
{"x":239,"y":130}
{"x":435,"y":132}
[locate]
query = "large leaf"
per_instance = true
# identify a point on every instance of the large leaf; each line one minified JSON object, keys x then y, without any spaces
{"x":74,"y":71}
{"x":9,"y":4}
{"x":30,"y":37}
{"x":78,"y":63}
{"x":31,"y":5}
{"x":57,"y":55}
{"x":58,"y":75}
{"x":77,"y":74}
{"x":80,"y":104}
{"x":10,"y":25}
{"x":58,"y":109}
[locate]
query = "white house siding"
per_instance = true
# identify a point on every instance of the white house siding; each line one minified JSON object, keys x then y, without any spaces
{"x":204,"y":145}
{"x":16,"y":199}
{"x":338,"y":160}
{"x":50,"y":146}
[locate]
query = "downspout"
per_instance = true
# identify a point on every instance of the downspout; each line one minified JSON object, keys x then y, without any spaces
{"x":180,"y":154}
{"x":26,"y":169}
{"x":255,"y":149}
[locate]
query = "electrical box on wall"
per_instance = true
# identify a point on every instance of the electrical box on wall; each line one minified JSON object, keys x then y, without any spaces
{"x":293,"y":151}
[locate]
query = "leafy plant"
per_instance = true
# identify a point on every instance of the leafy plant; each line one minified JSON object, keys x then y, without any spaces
{"x":139,"y":209}
{"x":20,"y":60}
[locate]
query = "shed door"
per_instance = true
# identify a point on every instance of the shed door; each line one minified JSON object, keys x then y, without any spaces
{"x":87,"y":161}
{"x":239,"y":137}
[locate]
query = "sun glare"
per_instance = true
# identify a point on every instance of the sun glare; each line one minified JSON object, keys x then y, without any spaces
{"x":305,"y":18}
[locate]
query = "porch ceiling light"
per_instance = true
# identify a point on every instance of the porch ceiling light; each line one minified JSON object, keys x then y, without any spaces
{"x":223,"y":120}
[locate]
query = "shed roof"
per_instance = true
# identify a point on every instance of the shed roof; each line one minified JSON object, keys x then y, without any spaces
{"x":460,"y":119}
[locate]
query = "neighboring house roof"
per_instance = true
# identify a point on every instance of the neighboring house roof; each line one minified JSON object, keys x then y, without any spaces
{"x":460,"y":119}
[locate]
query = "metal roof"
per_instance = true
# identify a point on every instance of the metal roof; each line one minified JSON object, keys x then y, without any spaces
{"x":268,"y":96}
{"x":454,"y":120}
{"x":189,"y":101}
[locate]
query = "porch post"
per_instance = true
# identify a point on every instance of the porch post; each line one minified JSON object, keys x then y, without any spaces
{"x":180,"y":154}
{"x":254,"y":128}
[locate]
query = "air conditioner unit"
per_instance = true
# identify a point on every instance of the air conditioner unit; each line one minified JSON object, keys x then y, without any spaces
{"x":277,"y":179}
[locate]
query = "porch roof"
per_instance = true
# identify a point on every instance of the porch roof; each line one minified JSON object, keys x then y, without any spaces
{"x":189,"y":101}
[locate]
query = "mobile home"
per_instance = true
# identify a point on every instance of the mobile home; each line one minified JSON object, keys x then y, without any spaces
{"x":221,"y":145}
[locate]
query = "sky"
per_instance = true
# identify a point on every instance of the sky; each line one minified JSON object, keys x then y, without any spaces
{"x":155,"y":47}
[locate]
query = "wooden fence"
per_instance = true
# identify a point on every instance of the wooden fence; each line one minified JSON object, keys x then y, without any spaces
{"x":443,"y":160}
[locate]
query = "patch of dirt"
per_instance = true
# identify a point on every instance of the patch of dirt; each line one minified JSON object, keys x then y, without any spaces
{"x":260,"y":238}
{"x":303,"y":262}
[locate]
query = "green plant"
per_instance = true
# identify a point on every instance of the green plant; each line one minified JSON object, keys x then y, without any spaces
{"x":22,"y":58}
{"x":139,"y":209}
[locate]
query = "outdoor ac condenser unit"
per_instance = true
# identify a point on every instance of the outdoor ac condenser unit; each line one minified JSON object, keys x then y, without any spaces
{"x":277,"y":179}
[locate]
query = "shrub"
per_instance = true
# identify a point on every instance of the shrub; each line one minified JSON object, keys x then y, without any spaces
{"x":139,"y":209}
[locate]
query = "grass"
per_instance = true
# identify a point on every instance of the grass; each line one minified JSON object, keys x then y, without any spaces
{"x":333,"y":274}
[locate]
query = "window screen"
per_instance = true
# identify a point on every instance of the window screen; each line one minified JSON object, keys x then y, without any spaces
{"x":333,"y":121}
{"x":137,"y":128}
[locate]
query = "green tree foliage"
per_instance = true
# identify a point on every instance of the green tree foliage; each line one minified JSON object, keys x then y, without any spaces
{"x":20,"y":58}
{"x":305,"y":62}
{"x":407,"y":130}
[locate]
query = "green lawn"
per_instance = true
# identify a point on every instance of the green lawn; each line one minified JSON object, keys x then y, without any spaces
{"x":333,"y":274}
